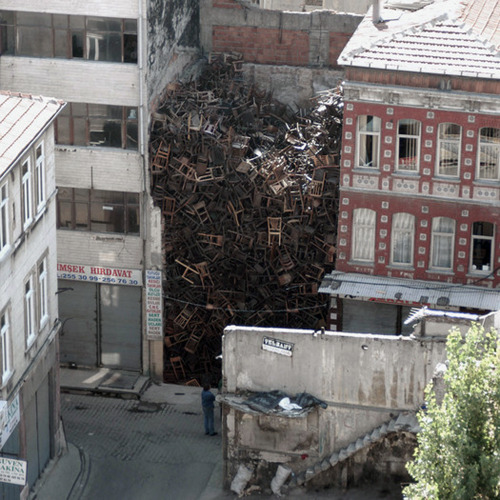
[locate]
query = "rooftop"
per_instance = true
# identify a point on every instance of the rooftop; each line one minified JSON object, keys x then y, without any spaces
{"x":446,"y":37}
{"x":22,"y":118}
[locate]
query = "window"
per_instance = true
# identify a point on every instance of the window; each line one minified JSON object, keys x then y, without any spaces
{"x":482,"y":246}
{"x":26,"y":193}
{"x":34,"y":34}
{"x":403,"y":227}
{"x":363,"y":235}
{"x":5,"y":346}
{"x":448,"y":156}
{"x":40,"y":177}
{"x":98,"y":125}
{"x":4,"y":216}
{"x":368,"y":141}
{"x":29,"y":311}
{"x":96,"y":210}
{"x":443,"y":241}
{"x":42,"y":292}
{"x":489,"y":154}
{"x":408,"y":145}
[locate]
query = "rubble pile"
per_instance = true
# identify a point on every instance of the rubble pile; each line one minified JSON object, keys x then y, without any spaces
{"x":249,"y":197}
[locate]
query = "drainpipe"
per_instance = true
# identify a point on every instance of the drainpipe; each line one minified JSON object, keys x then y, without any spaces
{"x":376,"y":11}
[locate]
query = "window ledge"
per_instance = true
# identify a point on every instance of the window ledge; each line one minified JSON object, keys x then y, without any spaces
{"x":366,"y":170}
{"x":486,"y":182}
{"x":361,"y":263}
{"x":454,"y":180}
{"x":402,"y":173}
{"x":400,"y":267}
{"x":449,"y":272}
{"x":6,"y":377}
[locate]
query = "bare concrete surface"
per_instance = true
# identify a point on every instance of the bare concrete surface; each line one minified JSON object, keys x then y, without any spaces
{"x":146,"y":443}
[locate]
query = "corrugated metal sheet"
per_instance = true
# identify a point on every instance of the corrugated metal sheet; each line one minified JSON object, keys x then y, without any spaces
{"x":409,"y":292}
{"x":22,"y":118}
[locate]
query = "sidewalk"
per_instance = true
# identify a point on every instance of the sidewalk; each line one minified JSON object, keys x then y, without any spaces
{"x":65,"y":475}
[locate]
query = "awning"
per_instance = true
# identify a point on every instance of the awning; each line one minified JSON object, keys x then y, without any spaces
{"x":409,"y":292}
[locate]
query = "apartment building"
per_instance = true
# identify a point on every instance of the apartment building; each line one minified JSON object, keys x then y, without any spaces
{"x":30,"y":427}
{"x":109,"y":61}
{"x":419,"y":216}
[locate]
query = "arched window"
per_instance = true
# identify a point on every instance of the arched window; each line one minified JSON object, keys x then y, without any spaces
{"x":363,"y":235}
{"x":448,"y":149}
{"x":443,"y":242}
{"x":489,"y":154}
{"x":408,"y":145}
{"x":402,"y":236}
{"x":368,"y":141}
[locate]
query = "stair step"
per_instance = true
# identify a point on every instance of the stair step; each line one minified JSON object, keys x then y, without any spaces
{"x":343,"y":455}
{"x":325,"y":465}
{"x":334,"y":459}
{"x":359,"y":444}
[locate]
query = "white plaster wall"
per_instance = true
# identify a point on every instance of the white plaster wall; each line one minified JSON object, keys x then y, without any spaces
{"x":99,"y":168}
{"x":72,"y":81}
{"x":113,"y":250}
{"x":15,"y":267}
{"x":123,"y":8}
{"x":351,"y":6}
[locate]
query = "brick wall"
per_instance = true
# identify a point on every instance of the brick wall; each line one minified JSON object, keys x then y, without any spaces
{"x":309,"y":39}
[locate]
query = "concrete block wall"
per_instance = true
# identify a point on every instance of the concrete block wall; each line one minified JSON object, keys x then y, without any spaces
{"x":275,"y":37}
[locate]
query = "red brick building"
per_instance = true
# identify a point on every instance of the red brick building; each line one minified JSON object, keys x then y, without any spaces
{"x":419,"y":215}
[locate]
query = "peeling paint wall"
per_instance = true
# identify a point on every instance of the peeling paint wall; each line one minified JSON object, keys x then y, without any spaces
{"x":365,"y":379}
{"x":172,"y":39}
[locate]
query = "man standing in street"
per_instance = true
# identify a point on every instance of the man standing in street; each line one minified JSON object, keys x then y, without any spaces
{"x":207,"y":403}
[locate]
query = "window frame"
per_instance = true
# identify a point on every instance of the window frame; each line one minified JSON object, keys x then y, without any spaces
{"x":27,"y":192}
{"x":362,"y":138}
{"x":69,"y":28}
{"x":442,"y":235}
{"x":43,"y":297}
{"x":363,"y":230}
{"x":451,"y":141}
{"x":480,"y":237}
{"x":407,"y":234}
{"x":40,"y":177}
{"x":5,"y":346}
{"x":415,"y":137}
{"x":29,"y":311}
{"x":495,"y":146}
{"x":4,"y":218}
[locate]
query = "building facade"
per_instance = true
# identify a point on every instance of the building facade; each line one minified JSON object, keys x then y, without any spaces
{"x":108,"y":61}
{"x":29,"y":367}
{"x":420,"y":171}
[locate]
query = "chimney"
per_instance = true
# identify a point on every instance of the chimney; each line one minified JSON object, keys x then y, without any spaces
{"x":376,"y":11}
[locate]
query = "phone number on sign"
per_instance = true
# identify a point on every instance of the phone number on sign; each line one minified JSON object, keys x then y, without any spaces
{"x":96,"y":279}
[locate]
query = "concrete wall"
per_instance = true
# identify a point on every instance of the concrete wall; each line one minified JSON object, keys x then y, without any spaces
{"x":365,"y":379}
{"x":351,"y":6}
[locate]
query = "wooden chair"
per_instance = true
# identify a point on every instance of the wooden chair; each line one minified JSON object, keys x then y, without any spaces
{"x":274,"y":225}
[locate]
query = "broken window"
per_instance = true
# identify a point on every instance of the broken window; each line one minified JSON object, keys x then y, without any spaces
{"x":408,"y":145}
{"x":34,"y":34}
{"x":443,"y":240}
{"x":368,"y":141}
{"x":98,"y":125}
{"x":482,"y":246}
{"x":403,"y":228}
{"x":489,"y":153}
{"x":97,"y":210}
{"x":448,"y":159}
{"x":363,"y":235}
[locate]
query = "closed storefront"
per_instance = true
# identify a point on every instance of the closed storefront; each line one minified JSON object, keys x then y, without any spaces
{"x":101,"y":324}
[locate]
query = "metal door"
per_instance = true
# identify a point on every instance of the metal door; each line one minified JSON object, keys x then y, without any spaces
{"x":120,"y":327}
{"x":11,"y":450}
{"x":37,"y":420}
{"x":78,"y":313}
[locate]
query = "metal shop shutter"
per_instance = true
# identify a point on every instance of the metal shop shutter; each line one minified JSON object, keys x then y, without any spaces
{"x":78,"y":313}
{"x":120,"y":327}
{"x":11,"y":450}
{"x":372,"y":317}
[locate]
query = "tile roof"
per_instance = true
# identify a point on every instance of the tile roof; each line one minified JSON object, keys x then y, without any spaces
{"x":453,"y":37}
{"x":22,"y":118}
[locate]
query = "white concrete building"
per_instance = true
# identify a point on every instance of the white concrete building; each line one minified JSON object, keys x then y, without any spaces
{"x":108,"y":61}
{"x":29,"y":371}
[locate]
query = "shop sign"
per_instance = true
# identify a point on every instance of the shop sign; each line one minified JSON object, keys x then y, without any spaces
{"x":10,"y":417}
{"x":99,"y":274}
{"x":154,"y":300}
{"x":277,"y":346}
{"x":12,"y":471}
